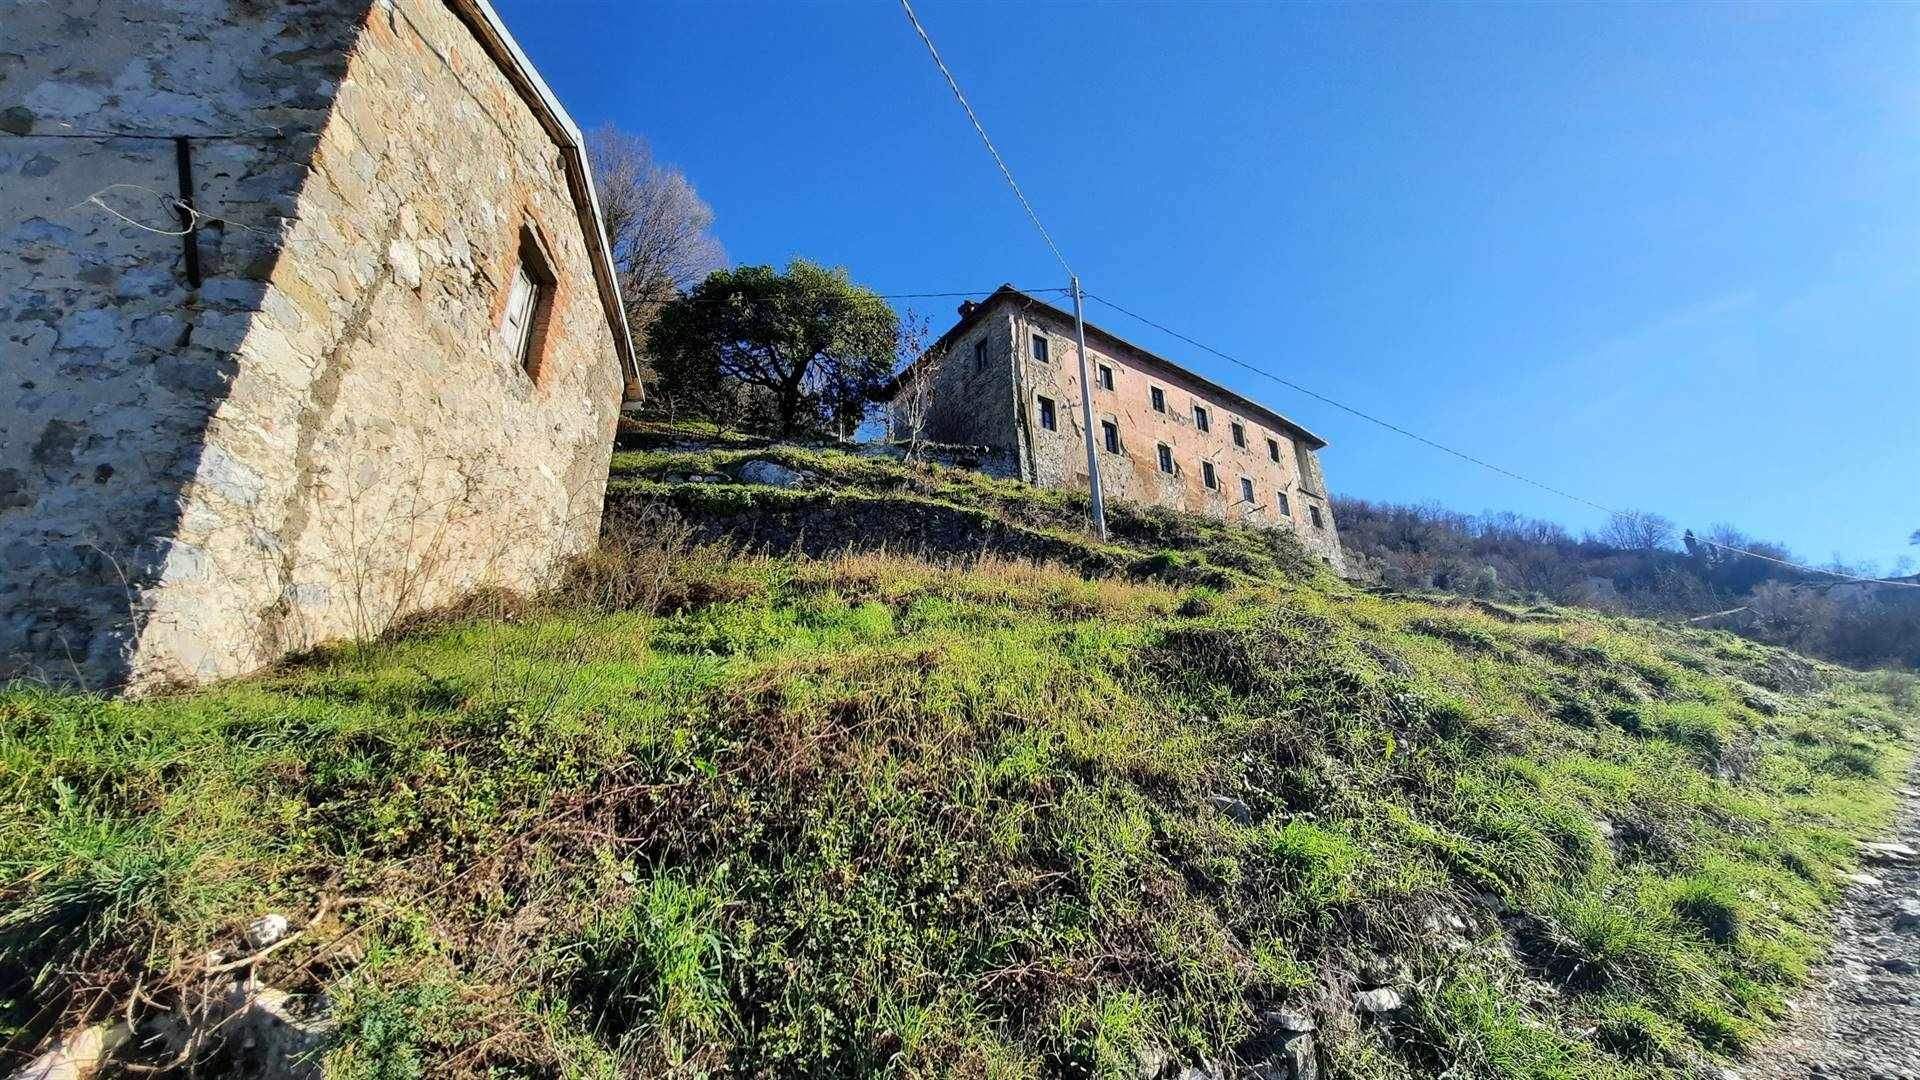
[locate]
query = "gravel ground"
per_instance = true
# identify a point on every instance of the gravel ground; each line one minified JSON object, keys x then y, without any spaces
{"x":1859,"y":1017}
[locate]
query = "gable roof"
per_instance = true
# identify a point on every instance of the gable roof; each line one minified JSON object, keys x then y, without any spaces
{"x":484,"y":22}
{"x":971,"y":313}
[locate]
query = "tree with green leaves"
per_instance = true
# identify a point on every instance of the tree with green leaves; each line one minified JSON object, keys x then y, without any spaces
{"x":798,"y":351}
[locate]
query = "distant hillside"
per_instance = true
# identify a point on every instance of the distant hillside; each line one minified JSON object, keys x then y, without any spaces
{"x":1031,"y":806}
{"x":1509,"y":557}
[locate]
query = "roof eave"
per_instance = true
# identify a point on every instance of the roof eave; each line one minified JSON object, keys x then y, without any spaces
{"x":1009,"y":292}
{"x":505,"y":51}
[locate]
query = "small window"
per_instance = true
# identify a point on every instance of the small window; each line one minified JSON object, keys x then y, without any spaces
{"x":523,"y":323}
{"x":1246,"y":490}
{"x":1166,"y":458}
{"x":1158,"y":397}
{"x":1046,"y":414}
{"x":517,"y":324}
{"x":1200,"y":418}
{"x":1273,"y":449}
{"x":980,"y":355}
{"x":1313,"y":512}
{"x":1240,"y":437}
{"x":1281,"y":504}
{"x":1207,"y":476}
{"x":1040,"y":347}
{"x":1106,"y":377}
{"x":1110,"y":432}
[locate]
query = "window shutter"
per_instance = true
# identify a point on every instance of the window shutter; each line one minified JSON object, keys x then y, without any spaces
{"x":517,"y":325}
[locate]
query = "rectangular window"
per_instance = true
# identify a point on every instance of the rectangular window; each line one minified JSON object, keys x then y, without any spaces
{"x":1240,"y":437}
{"x":1314,"y":513}
{"x":1207,"y":477}
{"x":1246,"y":490}
{"x":979,"y":356}
{"x":1200,"y":418}
{"x":1110,"y":432}
{"x":1158,"y":397}
{"x":1106,"y":377}
{"x":1281,"y":504}
{"x":523,"y":321}
{"x":517,"y":324}
{"x":1046,"y":414}
{"x":1166,"y":458}
{"x":1040,"y":347}
{"x":1273,"y":449}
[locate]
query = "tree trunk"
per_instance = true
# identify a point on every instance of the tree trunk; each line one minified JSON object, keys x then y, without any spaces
{"x":790,"y":405}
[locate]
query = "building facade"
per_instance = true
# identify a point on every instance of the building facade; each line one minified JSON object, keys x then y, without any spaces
{"x":1009,"y":380}
{"x":307,"y":322}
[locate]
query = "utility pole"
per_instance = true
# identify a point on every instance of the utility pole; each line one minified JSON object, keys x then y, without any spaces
{"x":1086,"y":415}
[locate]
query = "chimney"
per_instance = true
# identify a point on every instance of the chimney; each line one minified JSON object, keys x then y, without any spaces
{"x":967,"y":308}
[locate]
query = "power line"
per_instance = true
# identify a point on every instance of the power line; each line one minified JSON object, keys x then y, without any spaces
{"x":1094,"y":487}
{"x":883,"y":296}
{"x":1464,"y":456}
{"x":954,"y":85}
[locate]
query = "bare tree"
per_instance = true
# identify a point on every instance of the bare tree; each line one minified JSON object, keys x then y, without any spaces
{"x":913,"y":398}
{"x":657,"y":225}
{"x":1783,"y":614}
{"x":1638,"y":530}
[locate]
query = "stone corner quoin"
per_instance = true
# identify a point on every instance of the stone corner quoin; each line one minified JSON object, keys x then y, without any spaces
{"x":382,"y":369}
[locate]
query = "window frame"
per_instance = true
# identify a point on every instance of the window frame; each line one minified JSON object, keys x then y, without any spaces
{"x":1209,"y":476}
{"x":1157,"y":399}
{"x":528,"y":345}
{"x":1202,"y":417}
{"x":1165,"y":457}
{"x":1239,"y":436}
{"x":1041,"y":348}
{"x":1313,"y":514}
{"x":1048,"y":413}
{"x":979,"y":355}
{"x":1283,"y":505}
{"x":1110,"y":436}
{"x":1273,"y":449}
{"x":1104,"y":377}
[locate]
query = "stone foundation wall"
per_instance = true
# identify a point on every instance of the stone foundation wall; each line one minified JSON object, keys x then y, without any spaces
{"x":328,"y":432}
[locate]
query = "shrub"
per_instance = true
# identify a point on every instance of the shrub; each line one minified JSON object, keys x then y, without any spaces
{"x":652,"y":561}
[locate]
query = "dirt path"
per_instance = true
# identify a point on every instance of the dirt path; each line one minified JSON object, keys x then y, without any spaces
{"x":1859,"y":1017}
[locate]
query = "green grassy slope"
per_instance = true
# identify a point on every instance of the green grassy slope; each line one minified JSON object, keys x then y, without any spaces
{"x":709,"y":813}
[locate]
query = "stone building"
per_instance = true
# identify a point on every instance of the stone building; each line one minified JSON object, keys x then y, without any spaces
{"x":375,"y":365}
{"x":1009,"y":380}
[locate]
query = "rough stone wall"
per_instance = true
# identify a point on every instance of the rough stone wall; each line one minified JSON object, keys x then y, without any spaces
{"x":970,"y":402}
{"x":111,"y":364}
{"x":1057,"y":458}
{"x":329,"y":432}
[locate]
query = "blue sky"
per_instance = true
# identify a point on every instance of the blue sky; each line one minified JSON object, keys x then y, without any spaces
{"x":1664,"y":256}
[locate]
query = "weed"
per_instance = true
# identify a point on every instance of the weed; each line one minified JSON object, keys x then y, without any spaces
{"x":924,"y":808}
{"x":654,"y":968}
{"x":1710,"y":904}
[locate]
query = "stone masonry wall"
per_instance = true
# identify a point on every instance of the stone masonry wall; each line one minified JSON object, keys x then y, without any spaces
{"x":972,"y":392}
{"x":1057,"y":458}
{"x":111,"y":363}
{"x":343,"y":437}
